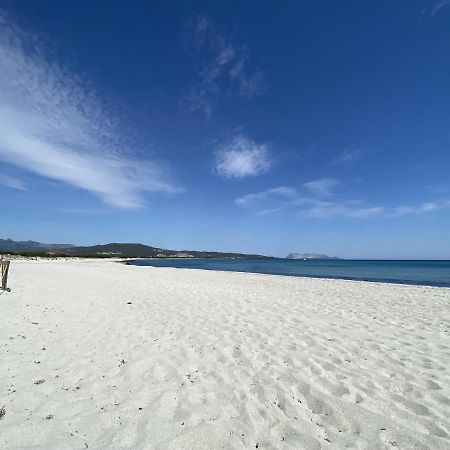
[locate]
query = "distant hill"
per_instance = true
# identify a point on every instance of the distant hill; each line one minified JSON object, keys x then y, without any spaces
{"x":146,"y":251}
{"x":309,"y":256}
{"x":114,"y":249}
{"x":8,"y":245}
{"x":123,"y":250}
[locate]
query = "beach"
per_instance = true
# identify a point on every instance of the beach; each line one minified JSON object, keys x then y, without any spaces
{"x":99,"y":354}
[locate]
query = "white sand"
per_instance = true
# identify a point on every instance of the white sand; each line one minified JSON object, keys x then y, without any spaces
{"x":212,"y":360}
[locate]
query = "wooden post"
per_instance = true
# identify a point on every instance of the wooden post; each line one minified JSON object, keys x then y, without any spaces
{"x":4,"y":273}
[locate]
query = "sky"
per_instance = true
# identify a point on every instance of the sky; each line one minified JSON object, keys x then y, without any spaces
{"x":261,"y":127}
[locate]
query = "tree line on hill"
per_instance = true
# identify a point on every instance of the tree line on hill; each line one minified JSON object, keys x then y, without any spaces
{"x":123,"y":250}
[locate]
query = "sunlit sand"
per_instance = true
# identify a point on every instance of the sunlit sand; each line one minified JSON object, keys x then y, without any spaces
{"x":102,"y":355}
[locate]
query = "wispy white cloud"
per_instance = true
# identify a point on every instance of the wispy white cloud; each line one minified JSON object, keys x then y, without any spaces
{"x":439,"y":188}
{"x":53,"y":126}
{"x":321,"y":188}
{"x":438,"y":6}
{"x":11,"y":182}
{"x":266,"y":212}
{"x":314,"y":204}
{"x":224,"y":67}
{"x":278,"y":192}
{"x":328,"y":210}
{"x":242,"y":157}
{"x":420,"y":209}
{"x":348,"y":156}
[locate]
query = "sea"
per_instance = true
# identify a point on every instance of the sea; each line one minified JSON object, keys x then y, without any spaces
{"x":424,"y":273}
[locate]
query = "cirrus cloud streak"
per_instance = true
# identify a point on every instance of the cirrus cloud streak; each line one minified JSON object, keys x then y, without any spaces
{"x":316,"y":204}
{"x":52,"y":125}
{"x":223,"y":67}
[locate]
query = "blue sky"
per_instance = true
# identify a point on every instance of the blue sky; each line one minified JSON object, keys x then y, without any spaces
{"x":266,"y":127}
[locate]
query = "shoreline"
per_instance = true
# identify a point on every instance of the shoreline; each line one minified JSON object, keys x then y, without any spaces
{"x":129,"y":261}
{"x":320,"y":277}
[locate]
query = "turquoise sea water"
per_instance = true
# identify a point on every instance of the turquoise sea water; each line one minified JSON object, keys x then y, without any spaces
{"x":428,"y":273}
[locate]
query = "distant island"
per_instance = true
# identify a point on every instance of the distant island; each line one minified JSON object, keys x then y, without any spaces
{"x":309,"y":256}
{"x":121,"y":250}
